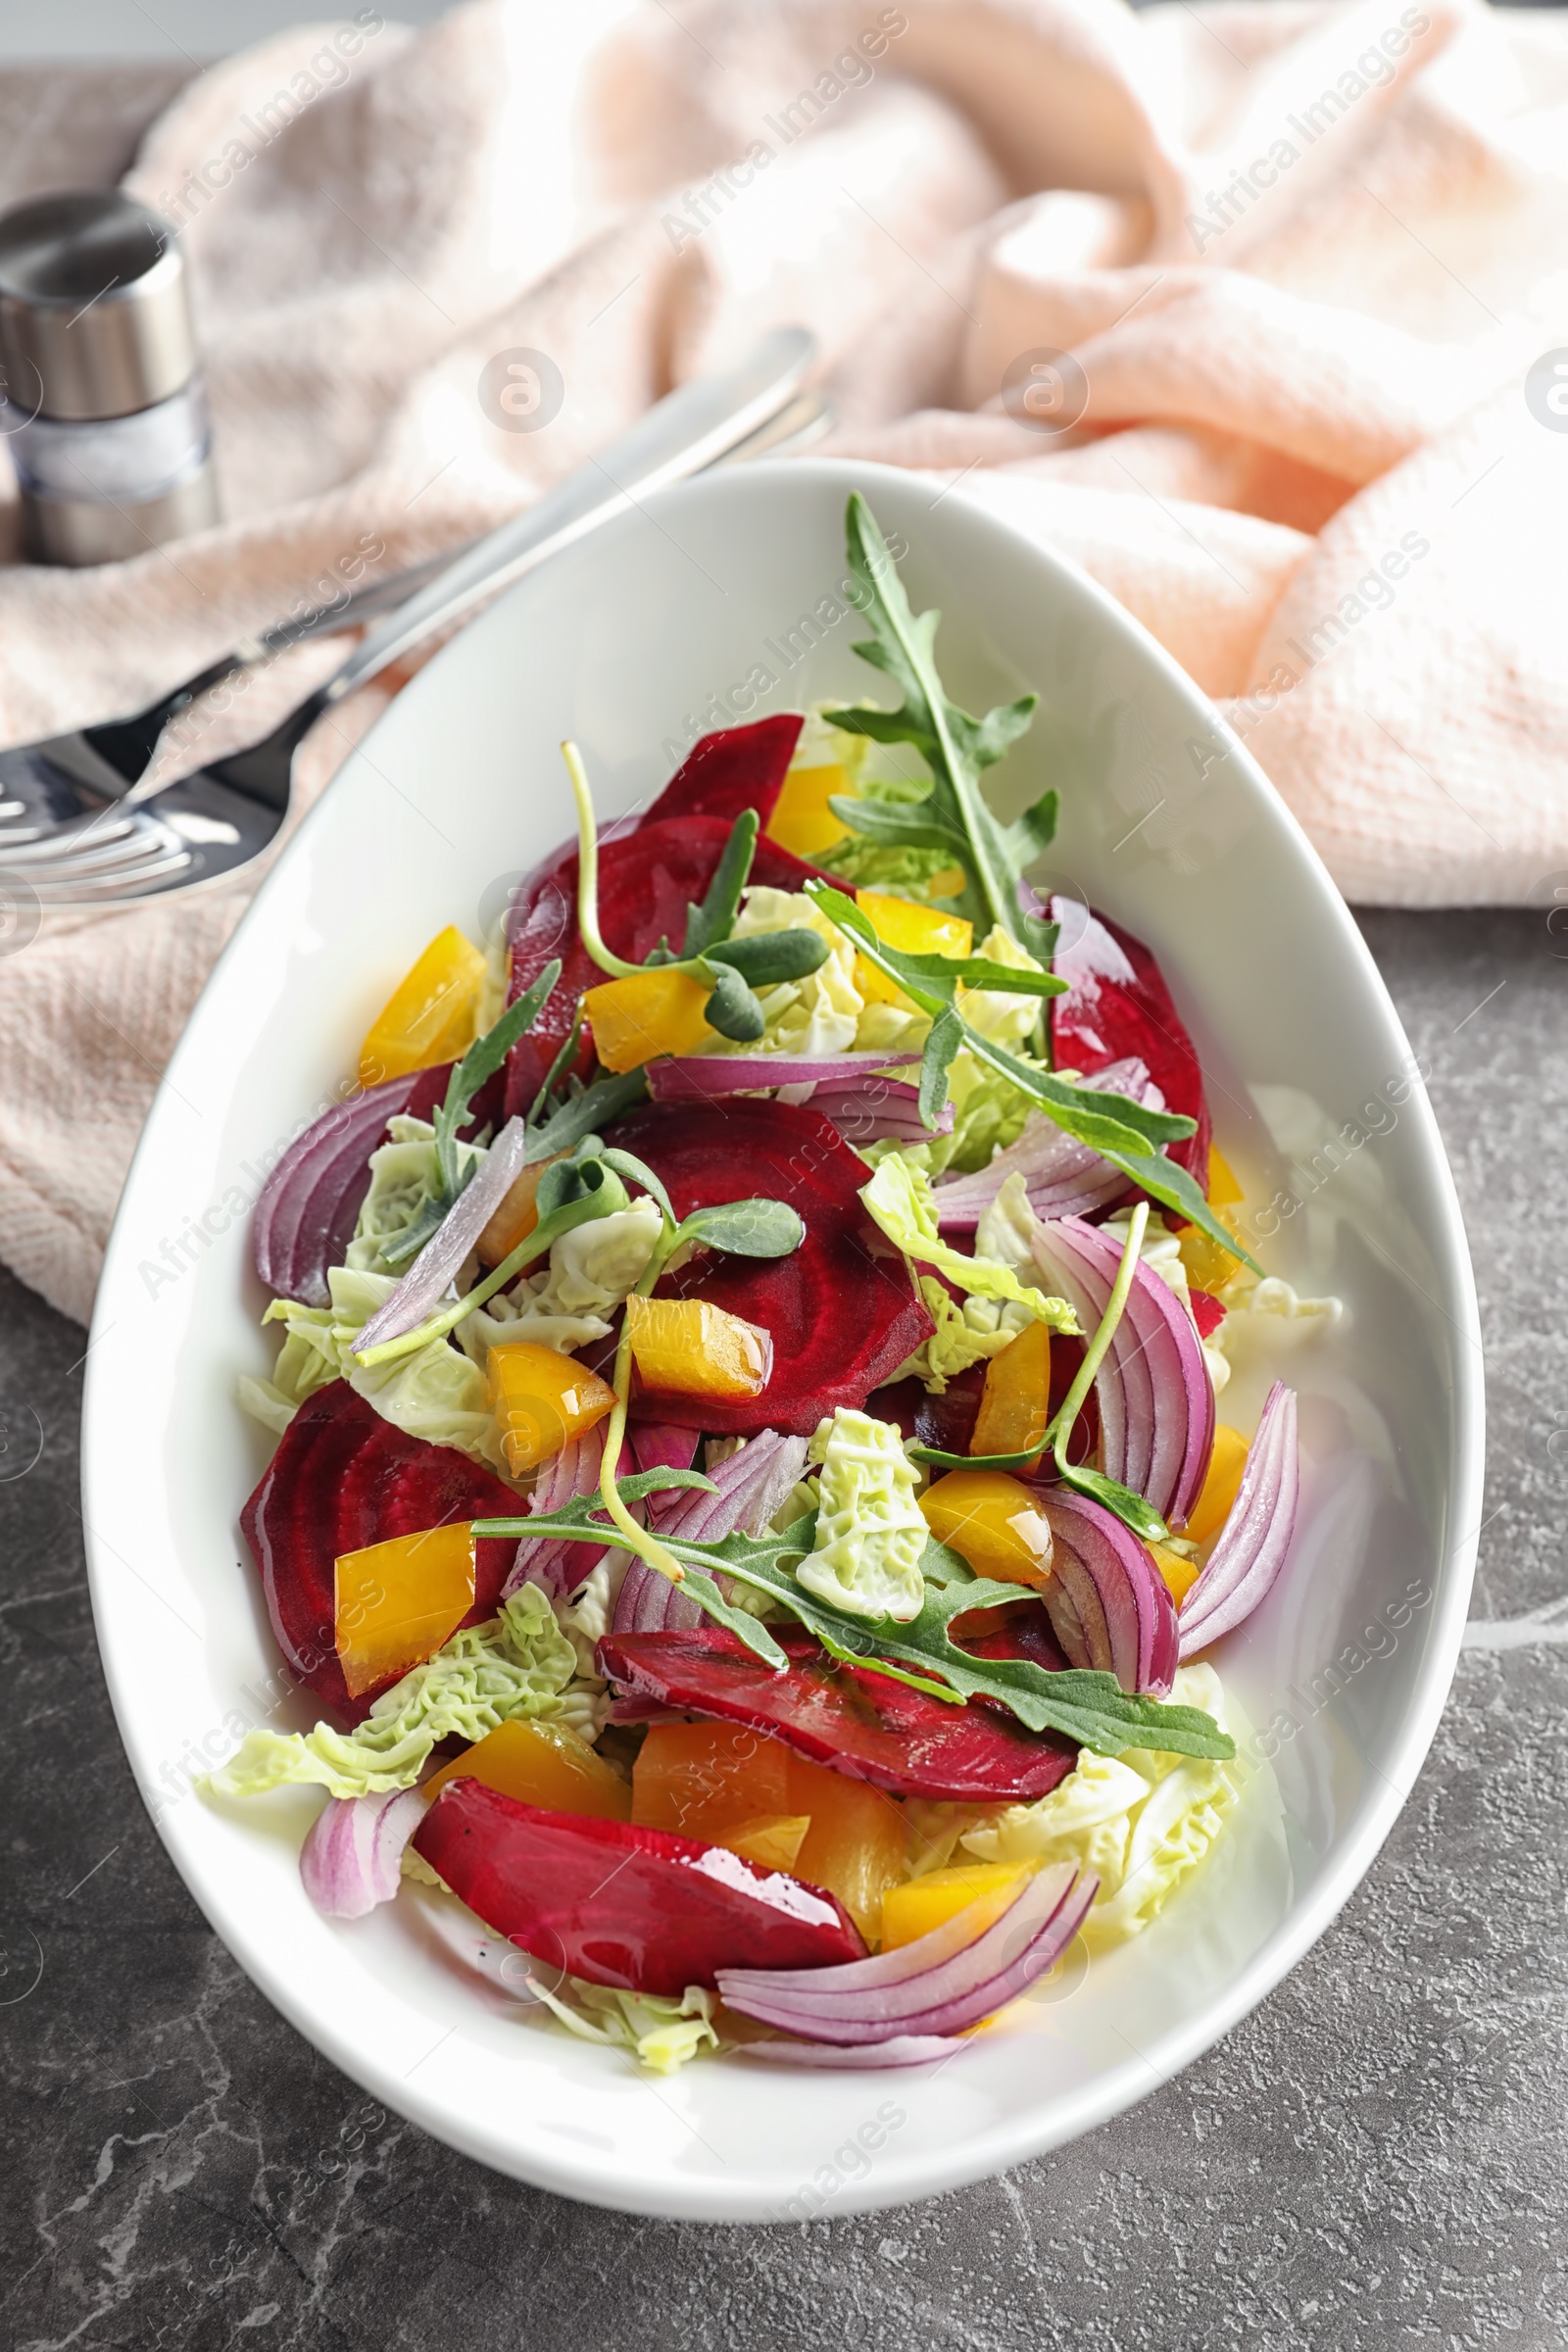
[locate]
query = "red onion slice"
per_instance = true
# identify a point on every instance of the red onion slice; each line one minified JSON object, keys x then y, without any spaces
{"x":907,"y":2050}
{"x":1156,"y":1399}
{"x":874,"y":1110}
{"x":352,"y":1856}
{"x":1062,"y":1178}
{"x":424,"y":1284}
{"x":554,"y":1563}
{"x":750,"y":1486}
{"x":939,"y":1985}
{"x":699,"y":1077}
{"x":310,"y":1205}
{"x":662,"y":1444}
{"x":1255,"y":1539}
{"x":1120,"y":1616}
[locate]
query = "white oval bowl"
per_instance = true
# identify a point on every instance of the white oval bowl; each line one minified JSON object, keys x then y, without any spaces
{"x":1168,"y":826}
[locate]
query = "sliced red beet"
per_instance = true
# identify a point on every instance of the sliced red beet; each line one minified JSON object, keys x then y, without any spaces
{"x":1117,"y":1003}
{"x":642,"y":1910}
{"x":343,"y":1478}
{"x":1209,"y":1312}
{"x":647,"y":880}
{"x":841,"y":1308}
{"x":861,"y":1724}
{"x":740,"y":768}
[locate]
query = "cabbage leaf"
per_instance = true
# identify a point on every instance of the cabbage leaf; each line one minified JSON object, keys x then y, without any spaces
{"x":1140,"y":1820}
{"x":433,"y":1393}
{"x":901,"y":1199}
{"x":519,"y":1664}
{"x":870,"y":1533}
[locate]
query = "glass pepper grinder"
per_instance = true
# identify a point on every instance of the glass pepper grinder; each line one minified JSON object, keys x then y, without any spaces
{"x":104,"y":411}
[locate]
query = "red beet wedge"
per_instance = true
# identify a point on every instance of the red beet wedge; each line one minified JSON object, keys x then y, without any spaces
{"x":863,"y":1725}
{"x":641,"y":1910}
{"x":647,"y":880}
{"x":1117,"y":1003}
{"x":841,"y":1308}
{"x":740,"y":768}
{"x":343,"y":1478}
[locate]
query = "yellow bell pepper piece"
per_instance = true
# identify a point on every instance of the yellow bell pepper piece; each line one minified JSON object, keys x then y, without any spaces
{"x":858,"y":1843}
{"x":1209,"y":1266}
{"x":914,"y":930}
{"x":1226,"y":1464}
{"x":544,"y":1764}
{"x":772,"y":1841}
{"x":648,"y":1013}
{"x":913,"y":1910}
{"x":730,"y":1786}
{"x":515,"y":1219}
{"x":696,"y":1349}
{"x":1015,"y":1404}
{"x":710,"y":1779}
{"x":396,"y":1602}
{"x":802,"y":820}
{"x":540,"y":1398}
{"x":1180,"y":1574}
{"x":429,"y":1016}
{"x":993,"y":1522}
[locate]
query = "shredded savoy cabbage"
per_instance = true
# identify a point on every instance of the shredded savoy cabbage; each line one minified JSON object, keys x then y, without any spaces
{"x":1142,"y":1821}
{"x":870,"y":1530}
{"x":519,"y":1664}
{"x":662,"y":2033}
{"x":435,"y":1393}
{"x":900,"y":1199}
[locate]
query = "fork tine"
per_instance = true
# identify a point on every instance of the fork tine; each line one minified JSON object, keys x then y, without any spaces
{"x":141,"y":845}
{"x":56,"y":844}
{"x":110,"y":889}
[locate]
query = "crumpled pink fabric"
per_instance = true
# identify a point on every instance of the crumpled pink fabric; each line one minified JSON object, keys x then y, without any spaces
{"x":1291,"y":278}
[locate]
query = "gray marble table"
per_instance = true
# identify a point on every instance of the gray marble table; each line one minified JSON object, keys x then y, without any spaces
{"x":1377,"y":2157}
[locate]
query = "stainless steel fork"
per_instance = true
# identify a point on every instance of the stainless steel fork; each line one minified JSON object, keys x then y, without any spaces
{"x":149,"y":841}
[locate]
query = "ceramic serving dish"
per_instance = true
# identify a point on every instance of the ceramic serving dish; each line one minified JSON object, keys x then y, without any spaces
{"x":719,"y":601}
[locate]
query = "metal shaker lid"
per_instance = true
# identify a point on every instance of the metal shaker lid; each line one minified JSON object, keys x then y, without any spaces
{"x":94,"y":306}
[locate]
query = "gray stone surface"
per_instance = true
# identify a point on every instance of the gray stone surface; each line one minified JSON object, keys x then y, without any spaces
{"x":1377,"y":2157}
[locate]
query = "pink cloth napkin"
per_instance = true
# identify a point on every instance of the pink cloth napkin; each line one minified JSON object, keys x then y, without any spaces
{"x":1255,"y":310}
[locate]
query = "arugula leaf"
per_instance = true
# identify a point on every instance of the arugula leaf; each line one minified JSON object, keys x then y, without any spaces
{"x":911,"y":827}
{"x":1029,"y":836}
{"x":1083,"y":1705}
{"x":581,"y":1115}
{"x":557,"y":1068}
{"x":1119,"y":1129}
{"x":585,"y":1521}
{"x":481,"y":1061}
{"x":956,"y":746}
{"x":933,"y":977}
